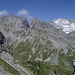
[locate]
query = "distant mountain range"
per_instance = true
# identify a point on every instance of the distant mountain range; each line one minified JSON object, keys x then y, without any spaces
{"x":67,"y":25}
{"x":38,"y":48}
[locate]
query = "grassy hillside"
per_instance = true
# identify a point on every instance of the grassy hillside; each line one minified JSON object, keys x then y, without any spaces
{"x":8,"y":68}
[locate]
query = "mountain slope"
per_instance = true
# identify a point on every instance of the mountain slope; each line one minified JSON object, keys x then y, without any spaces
{"x":40,"y":48}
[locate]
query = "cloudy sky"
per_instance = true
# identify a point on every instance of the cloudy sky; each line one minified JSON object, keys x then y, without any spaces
{"x":44,"y":9}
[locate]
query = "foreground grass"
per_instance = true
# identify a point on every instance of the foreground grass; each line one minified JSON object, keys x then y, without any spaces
{"x":8,"y":67}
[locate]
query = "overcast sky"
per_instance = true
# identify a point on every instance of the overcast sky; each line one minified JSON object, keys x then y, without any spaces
{"x":44,"y":9}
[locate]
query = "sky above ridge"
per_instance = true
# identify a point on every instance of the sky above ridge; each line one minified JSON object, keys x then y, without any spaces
{"x":44,"y":9}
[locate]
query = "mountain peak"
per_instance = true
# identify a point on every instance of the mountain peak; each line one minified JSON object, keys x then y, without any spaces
{"x":67,"y":25}
{"x":61,"y":20}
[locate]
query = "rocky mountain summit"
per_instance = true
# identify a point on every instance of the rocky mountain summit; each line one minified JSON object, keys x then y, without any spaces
{"x":39,"y":48}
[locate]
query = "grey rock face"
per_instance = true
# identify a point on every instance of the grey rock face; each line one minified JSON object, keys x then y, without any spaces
{"x":56,"y":36}
{"x":2,"y":38}
{"x":13,"y":24}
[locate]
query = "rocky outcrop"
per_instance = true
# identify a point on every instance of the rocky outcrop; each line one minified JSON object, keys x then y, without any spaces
{"x":2,"y":38}
{"x":3,"y":43}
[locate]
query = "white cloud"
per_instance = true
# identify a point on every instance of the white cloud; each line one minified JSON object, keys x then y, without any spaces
{"x":23,"y":12}
{"x":3,"y":12}
{"x":30,"y":17}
